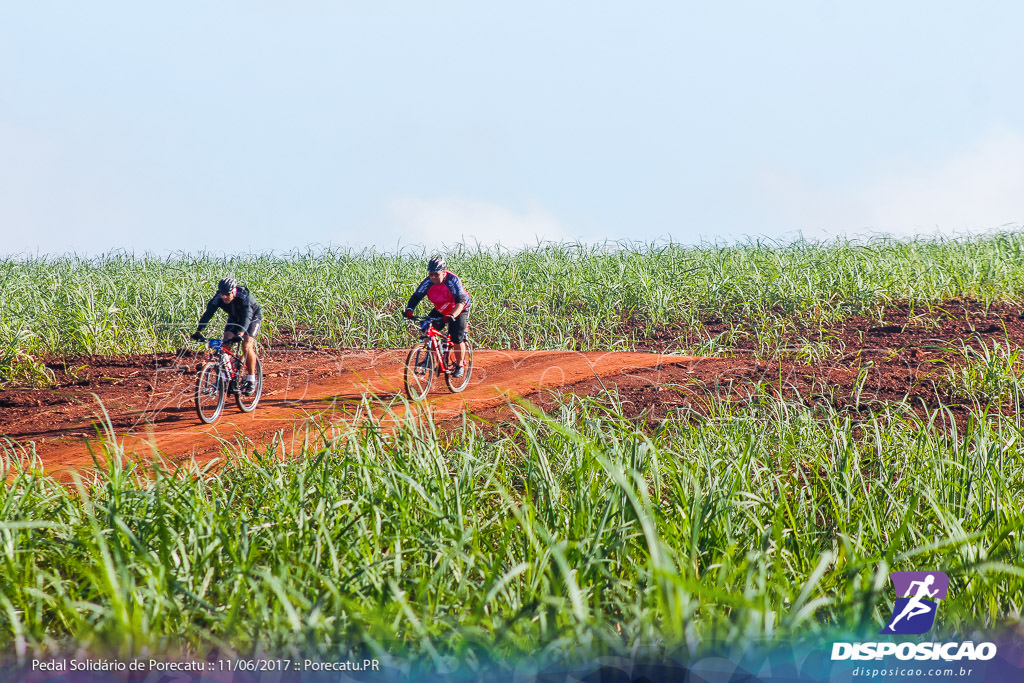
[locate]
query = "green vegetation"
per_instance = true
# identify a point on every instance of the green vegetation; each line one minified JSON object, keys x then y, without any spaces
{"x":566,"y":536}
{"x":991,"y":374}
{"x":549,"y":296}
{"x":557,"y":537}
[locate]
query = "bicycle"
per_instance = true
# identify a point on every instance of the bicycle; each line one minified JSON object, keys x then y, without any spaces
{"x":220,"y":377}
{"x":430,"y":356}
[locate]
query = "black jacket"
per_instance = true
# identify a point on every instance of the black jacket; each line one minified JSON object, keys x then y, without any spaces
{"x":242,"y":310}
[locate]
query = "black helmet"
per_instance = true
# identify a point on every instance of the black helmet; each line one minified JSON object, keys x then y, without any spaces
{"x":227,"y":285}
{"x":436,"y":264}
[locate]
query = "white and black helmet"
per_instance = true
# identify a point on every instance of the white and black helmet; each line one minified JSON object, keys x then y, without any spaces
{"x":436,"y":264}
{"x":227,"y":285}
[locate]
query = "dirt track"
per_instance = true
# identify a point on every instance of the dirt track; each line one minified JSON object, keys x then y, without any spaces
{"x":148,"y":399}
{"x":153,"y":410}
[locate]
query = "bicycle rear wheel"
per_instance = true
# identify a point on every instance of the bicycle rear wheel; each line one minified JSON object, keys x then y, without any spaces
{"x":247,"y":404}
{"x":419,"y":372}
{"x":457,"y":385}
{"x":210,"y":393}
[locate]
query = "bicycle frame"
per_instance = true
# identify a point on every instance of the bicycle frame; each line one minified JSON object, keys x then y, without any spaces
{"x":227,"y":361}
{"x":433,"y":338}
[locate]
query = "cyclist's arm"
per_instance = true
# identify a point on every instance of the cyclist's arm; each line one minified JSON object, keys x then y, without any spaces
{"x":211,"y":308}
{"x":457,"y":289}
{"x":418,"y":295}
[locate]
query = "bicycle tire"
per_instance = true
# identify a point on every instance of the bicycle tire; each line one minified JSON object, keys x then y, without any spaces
{"x":419,"y":372}
{"x":458,"y":385}
{"x":210,"y":393}
{"x":247,"y":404}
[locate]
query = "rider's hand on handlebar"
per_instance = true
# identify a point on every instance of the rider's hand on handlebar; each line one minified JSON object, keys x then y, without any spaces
{"x":408,"y":314}
{"x":197,"y":337}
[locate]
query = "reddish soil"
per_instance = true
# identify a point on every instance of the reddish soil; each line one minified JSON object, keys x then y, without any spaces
{"x":907,"y":357}
{"x":148,"y":399}
{"x":148,"y":402}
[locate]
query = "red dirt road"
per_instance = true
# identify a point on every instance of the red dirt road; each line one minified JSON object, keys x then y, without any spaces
{"x":329,"y":386}
{"x":907,"y":358}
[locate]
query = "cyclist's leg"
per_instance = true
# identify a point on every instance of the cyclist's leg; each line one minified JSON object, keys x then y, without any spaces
{"x":436,"y":319}
{"x":249,"y":346}
{"x":230,"y":331}
{"x":459,"y":330}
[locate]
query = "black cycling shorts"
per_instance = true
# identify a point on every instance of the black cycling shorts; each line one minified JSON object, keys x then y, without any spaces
{"x":458,"y":328}
{"x":254,"y":328}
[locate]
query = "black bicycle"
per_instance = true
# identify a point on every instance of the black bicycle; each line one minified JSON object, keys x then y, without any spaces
{"x":220,"y":376}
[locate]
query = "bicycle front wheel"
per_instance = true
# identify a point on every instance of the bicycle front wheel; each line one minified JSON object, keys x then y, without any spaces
{"x":457,"y":385}
{"x":210,"y":393}
{"x":419,"y":372}
{"x":247,"y":404}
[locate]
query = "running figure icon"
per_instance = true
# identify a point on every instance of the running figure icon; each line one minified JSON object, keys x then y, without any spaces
{"x":918,"y":595}
{"x":914,"y":606}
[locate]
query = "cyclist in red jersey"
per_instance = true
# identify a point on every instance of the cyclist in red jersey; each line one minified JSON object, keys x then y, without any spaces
{"x":451,"y":302}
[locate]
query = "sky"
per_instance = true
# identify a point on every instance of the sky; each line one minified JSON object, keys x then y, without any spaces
{"x":255,"y":126}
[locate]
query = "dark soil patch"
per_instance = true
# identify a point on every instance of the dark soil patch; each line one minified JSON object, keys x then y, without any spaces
{"x":905,"y":358}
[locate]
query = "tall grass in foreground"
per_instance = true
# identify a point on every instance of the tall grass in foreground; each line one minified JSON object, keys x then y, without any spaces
{"x":570,"y":535}
{"x":549,"y":296}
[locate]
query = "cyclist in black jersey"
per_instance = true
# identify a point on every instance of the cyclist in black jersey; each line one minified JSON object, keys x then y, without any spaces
{"x":244,"y":318}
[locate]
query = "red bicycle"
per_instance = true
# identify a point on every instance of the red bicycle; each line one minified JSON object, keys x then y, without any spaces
{"x":431,"y":356}
{"x":220,"y":376}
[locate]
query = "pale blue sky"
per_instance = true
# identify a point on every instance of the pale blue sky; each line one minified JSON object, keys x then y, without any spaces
{"x":232,"y":126}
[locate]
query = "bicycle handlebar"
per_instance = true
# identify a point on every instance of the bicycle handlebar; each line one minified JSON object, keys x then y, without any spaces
{"x":218,"y":343}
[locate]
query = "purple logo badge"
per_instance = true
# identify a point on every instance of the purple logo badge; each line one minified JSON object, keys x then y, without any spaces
{"x":917,"y":600}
